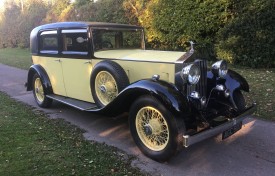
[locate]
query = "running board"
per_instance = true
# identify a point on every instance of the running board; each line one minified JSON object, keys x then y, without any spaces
{"x":78,"y":104}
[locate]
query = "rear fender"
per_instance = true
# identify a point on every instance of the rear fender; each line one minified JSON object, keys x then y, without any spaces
{"x":43,"y":75}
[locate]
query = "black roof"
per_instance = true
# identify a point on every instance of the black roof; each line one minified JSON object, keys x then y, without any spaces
{"x":73,"y":25}
{"x":86,"y":24}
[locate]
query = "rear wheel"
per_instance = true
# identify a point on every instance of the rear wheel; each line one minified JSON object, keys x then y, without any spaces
{"x":39,"y":92}
{"x":155,"y":130}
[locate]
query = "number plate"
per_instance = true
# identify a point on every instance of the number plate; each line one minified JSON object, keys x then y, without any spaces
{"x":232,"y":130}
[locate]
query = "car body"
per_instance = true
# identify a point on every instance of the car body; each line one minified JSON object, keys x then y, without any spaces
{"x":173,"y":99}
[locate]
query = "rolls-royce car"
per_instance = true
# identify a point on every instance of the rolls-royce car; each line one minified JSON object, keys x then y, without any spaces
{"x":173,"y":100}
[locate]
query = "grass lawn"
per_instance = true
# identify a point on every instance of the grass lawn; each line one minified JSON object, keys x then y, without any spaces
{"x":261,"y":81}
{"x":262,"y":90}
{"x":16,"y":57}
{"x":32,"y":144}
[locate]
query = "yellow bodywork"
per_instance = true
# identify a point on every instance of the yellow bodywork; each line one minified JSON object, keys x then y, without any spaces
{"x":139,"y":55}
{"x":70,"y":77}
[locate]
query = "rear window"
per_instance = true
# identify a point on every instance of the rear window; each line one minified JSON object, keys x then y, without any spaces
{"x":49,"y":42}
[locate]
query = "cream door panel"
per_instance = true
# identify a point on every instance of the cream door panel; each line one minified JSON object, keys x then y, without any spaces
{"x":77,"y":78}
{"x":53,"y":67}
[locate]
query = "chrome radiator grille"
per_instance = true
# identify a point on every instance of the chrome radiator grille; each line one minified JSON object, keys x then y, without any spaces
{"x":201,"y":86}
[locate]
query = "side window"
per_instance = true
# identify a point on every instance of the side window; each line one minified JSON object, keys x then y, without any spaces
{"x":75,"y":42}
{"x":48,"y":42}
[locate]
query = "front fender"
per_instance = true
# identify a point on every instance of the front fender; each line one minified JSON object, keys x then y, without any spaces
{"x":43,"y":75}
{"x":236,"y":81}
{"x":232,"y":81}
{"x":165,"y":92}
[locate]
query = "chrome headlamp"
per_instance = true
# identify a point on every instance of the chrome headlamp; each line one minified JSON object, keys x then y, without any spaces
{"x":191,"y":73}
{"x":220,"y":68}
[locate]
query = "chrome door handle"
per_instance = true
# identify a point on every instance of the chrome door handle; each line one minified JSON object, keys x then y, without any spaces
{"x":88,"y":62}
{"x":57,"y":60}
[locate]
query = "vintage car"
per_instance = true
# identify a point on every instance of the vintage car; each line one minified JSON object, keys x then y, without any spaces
{"x":172,"y":98}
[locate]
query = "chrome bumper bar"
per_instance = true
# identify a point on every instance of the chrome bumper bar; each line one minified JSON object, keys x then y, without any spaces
{"x":189,"y":140}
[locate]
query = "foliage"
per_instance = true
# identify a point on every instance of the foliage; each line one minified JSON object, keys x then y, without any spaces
{"x":110,"y":11}
{"x":15,"y":32}
{"x":242,"y":32}
{"x":182,"y":21}
{"x":249,"y":38}
{"x":8,"y":31}
{"x":56,"y":10}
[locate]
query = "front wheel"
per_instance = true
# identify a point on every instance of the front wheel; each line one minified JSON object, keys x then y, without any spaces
{"x":155,"y":130}
{"x":39,"y":92}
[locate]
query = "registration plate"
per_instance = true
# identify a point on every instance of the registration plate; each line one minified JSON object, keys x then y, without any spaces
{"x":232,"y":130}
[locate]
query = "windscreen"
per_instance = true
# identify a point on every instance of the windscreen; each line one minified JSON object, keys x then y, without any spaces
{"x":117,"y":39}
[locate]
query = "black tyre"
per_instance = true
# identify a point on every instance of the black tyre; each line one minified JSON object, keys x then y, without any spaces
{"x":157,"y":133}
{"x":39,"y":92}
{"x":107,"y":80}
{"x":239,"y":100}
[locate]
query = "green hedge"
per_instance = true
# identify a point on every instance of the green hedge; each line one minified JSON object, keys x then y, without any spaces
{"x":240,"y":31}
{"x":249,"y":38}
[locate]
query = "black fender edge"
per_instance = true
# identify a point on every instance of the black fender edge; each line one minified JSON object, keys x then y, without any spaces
{"x":163,"y":91}
{"x":233,"y":81}
{"x":44,"y":78}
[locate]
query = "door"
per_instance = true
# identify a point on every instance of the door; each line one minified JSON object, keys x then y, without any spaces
{"x":76,"y":64}
{"x":50,"y":60}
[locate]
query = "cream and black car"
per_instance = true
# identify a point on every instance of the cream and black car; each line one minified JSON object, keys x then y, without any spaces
{"x":173,"y":100}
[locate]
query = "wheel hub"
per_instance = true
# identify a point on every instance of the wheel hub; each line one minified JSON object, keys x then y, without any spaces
{"x":155,"y":125}
{"x":148,"y":130}
{"x":103,"y":89}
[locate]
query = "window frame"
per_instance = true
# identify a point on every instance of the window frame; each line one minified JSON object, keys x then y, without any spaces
{"x":40,"y":41}
{"x":117,"y":29}
{"x":75,"y":54}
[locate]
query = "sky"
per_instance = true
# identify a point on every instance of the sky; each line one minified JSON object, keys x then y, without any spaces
{"x":1,"y":3}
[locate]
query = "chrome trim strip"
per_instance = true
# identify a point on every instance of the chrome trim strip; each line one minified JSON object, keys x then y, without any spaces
{"x":132,"y":60}
{"x":65,"y":31}
{"x":190,"y":140}
{"x":48,"y":32}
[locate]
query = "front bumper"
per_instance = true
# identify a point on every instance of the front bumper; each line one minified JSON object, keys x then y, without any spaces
{"x":189,"y":140}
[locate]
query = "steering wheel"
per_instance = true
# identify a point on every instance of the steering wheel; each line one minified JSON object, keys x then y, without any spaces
{"x":106,"y":44}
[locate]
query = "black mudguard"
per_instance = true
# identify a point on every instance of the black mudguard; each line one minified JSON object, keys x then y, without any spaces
{"x":233,"y":81}
{"x":236,"y":81}
{"x":165,"y":92}
{"x":43,"y":75}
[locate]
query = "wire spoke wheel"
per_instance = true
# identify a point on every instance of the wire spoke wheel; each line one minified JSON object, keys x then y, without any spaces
{"x":152,"y":128}
{"x":39,"y":91}
{"x":105,"y":87}
{"x":156,"y":131}
{"x":107,"y":80}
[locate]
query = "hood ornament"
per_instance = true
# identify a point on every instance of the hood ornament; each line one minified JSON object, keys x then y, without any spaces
{"x":188,"y":54}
